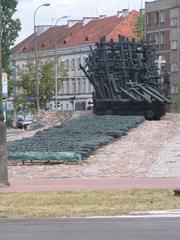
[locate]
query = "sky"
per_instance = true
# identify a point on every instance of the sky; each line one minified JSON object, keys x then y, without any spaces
{"x":75,"y":9}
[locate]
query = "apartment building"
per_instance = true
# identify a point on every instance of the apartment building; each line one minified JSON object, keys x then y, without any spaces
{"x":69,"y":45}
{"x":163,"y":30}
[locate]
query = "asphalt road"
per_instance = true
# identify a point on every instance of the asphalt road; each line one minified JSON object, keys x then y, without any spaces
{"x":150,"y":228}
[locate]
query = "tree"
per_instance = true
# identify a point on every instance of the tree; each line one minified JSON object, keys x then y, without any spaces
{"x":10,"y":30}
{"x":11,"y":85}
{"x":3,"y":146}
{"x":27,"y":88}
{"x":140,"y":27}
{"x":46,"y":86}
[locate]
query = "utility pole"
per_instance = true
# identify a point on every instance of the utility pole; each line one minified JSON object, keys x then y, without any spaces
{"x":3,"y":145}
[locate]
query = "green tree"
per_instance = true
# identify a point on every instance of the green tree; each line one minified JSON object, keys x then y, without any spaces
{"x":11,"y":84}
{"x":10,"y":30}
{"x":140,"y":27}
{"x":62,"y":73}
{"x":46,"y":86}
{"x":3,"y":145}
{"x":62,"y":69}
{"x":27,"y":87}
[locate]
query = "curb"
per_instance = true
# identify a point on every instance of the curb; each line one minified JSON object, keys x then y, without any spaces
{"x":157,"y":213}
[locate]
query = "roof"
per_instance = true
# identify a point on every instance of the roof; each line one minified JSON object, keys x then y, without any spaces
{"x":80,"y":34}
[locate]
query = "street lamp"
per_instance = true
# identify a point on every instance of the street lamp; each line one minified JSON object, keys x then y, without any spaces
{"x":56,"y":62}
{"x":14,"y":91}
{"x":35,"y":55}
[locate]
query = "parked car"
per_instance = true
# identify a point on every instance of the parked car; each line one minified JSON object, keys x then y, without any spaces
{"x":24,"y":121}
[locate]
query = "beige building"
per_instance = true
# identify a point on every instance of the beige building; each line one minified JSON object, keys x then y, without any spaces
{"x":71,"y":44}
{"x":163,"y":30}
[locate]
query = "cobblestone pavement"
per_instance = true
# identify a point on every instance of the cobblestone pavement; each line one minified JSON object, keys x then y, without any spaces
{"x":168,"y":161}
{"x":142,"y":153}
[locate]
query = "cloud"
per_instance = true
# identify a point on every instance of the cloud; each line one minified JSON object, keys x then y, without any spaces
{"x":68,"y":3}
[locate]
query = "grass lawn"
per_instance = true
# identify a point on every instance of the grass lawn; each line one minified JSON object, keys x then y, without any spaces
{"x":85,"y":203}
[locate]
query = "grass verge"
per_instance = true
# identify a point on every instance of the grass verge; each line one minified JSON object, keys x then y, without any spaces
{"x":85,"y":203}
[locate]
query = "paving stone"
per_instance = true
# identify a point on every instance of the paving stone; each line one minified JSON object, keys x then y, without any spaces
{"x":134,"y":155}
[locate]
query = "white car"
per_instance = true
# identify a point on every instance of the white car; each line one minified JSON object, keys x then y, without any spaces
{"x":23,"y":122}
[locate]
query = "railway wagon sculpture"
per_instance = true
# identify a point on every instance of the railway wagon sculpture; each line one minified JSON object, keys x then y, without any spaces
{"x":125,"y":79}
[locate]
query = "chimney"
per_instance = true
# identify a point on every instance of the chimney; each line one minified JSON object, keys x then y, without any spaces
{"x":72,"y":22}
{"x":125,"y":12}
{"x":88,"y":19}
{"x":102,"y":16}
{"x":119,"y":14}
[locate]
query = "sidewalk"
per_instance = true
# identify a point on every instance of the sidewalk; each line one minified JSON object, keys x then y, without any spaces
{"x":91,"y":184}
{"x":168,"y":160}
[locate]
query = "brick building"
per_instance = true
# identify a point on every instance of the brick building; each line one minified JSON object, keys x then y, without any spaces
{"x":72,"y":47}
{"x":163,"y":30}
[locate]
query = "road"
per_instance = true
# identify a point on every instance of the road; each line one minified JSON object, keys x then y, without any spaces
{"x":125,"y":228}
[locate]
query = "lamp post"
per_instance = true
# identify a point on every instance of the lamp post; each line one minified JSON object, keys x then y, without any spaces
{"x":14,"y":91}
{"x":35,"y":55}
{"x":3,"y":145}
{"x":56,"y":62}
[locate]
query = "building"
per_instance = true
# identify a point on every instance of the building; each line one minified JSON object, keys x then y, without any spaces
{"x":163,"y":30}
{"x":68,"y":46}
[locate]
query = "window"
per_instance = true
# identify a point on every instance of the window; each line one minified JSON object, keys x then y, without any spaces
{"x":156,"y":20}
{"x":174,"y":67}
{"x":18,"y":69}
{"x":152,"y":38}
{"x":162,"y":16}
{"x":58,"y":105}
{"x":174,"y":22}
{"x":149,"y":37}
{"x":173,"y":44}
{"x":148,"y":19}
{"x":84,"y":86}
{"x":162,"y":38}
{"x":23,"y":66}
{"x":73,"y":64}
{"x":174,"y":89}
{"x":61,"y":86}
{"x":67,"y":106}
{"x":67,"y":64}
{"x":89,"y":87}
{"x":67,"y":90}
{"x":79,"y":86}
{"x":156,"y":38}
{"x":78,"y":63}
{"x":74,"y":86}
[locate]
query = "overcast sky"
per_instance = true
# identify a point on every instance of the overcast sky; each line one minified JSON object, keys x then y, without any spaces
{"x":76,"y":9}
